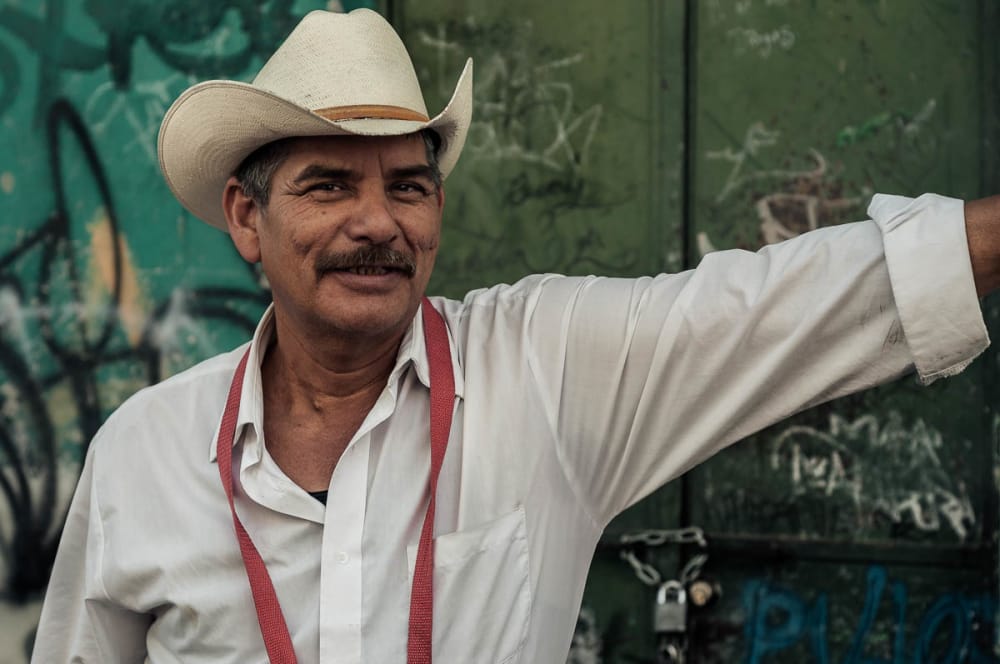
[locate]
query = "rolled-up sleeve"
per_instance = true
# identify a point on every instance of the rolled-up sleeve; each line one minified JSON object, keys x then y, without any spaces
{"x":927,"y":254}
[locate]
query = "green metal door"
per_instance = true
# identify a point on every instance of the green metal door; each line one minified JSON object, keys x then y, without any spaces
{"x":633,"y":139}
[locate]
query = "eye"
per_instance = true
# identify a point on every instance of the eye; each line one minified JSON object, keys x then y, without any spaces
{"x":410,"y":189}
{"x":327,"y":190}
{"x":327,"y":187}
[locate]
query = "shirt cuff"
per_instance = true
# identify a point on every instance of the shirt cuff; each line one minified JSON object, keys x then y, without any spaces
{"x":927,"y":255}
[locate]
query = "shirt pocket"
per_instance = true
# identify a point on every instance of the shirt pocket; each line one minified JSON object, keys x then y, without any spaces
{"x":482,"y":592}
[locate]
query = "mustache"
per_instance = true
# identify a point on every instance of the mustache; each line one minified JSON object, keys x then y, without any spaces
{"x":368,"y":256}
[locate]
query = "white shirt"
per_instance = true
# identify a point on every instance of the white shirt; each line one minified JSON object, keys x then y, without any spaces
{"x":576,"y":398}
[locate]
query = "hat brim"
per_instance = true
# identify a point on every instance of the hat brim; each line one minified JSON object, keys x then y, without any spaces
{"x":213,"y":126}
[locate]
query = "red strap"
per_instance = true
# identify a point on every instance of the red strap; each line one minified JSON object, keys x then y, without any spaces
{"x":418,"y":646}
{"x":277,"y":640}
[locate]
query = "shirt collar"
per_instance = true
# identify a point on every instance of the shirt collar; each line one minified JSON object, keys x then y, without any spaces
{"x":412,"y":351}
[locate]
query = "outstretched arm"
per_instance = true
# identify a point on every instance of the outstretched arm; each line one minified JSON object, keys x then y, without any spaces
{"x":982,"y":226}
{"x":645,"y":378}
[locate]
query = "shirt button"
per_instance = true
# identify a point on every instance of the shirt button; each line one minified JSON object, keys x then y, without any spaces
{"x":342,"y":557}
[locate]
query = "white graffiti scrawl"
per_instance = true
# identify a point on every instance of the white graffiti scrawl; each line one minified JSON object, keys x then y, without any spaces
{"x":526,"y":106}
{"x":797,"y":199}
{"x":886,"y":471}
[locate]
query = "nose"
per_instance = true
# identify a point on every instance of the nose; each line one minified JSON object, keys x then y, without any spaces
{"x":373,"y":221}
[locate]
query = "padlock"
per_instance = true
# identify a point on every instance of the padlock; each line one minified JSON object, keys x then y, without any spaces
{"x":670,"y":615}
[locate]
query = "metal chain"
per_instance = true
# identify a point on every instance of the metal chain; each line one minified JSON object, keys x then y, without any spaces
{"x":690,"y":535}
{"x":644,"y":571}
{"x":649,"y":574}
{"x":692,"y":570}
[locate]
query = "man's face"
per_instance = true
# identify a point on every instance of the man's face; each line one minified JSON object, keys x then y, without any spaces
{"x":350,"y":233}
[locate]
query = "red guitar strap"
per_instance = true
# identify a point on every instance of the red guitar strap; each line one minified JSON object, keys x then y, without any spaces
{"x":277,"y":640}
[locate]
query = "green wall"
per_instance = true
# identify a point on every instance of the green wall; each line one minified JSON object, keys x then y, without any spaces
{"x":622,"y":139}
{"x":635,"y":138}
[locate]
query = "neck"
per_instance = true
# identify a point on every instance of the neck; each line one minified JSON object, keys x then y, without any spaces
{"x":317,"y":392}
{"x":303,"y":367}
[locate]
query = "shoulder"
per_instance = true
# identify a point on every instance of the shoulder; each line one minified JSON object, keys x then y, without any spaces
{"x":173,"y":413}
{"x":187,"y":388}
{"x":517,"y":300}
{"x":514,"y":320}
{"x":542,"y":303}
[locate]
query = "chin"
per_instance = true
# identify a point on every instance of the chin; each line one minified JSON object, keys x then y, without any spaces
{"x":373,"y":319}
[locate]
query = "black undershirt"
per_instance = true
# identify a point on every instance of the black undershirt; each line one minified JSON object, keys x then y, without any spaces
{"x":319,"y":495}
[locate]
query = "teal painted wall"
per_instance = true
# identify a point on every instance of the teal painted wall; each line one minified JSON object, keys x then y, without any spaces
{"x":106,"y":283}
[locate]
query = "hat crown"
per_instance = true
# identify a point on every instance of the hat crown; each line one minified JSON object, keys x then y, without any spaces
{"x":335,"y":75}
{"x":335,"y":60}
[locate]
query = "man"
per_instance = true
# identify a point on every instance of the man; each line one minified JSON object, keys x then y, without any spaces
{"x":568,"y":399}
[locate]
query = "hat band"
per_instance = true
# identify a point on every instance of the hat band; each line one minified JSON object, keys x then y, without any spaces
{"x":366,"y":112}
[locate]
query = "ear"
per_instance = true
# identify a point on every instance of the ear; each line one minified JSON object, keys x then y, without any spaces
{"x":242,"y":216}
{"x":440,"y":197}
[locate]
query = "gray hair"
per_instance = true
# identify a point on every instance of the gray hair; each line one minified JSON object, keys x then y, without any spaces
{"x":257,"y":170}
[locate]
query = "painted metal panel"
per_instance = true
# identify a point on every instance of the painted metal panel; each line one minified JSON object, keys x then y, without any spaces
{"x":803,"y":110}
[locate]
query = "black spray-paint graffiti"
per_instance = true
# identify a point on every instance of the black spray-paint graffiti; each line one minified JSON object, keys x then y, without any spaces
{"x":56,"y":349}
{"x":169,"y":29}
{"x":77,"y":354}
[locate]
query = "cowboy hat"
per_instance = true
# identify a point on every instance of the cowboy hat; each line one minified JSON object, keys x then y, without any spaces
{"x":335,"y":74}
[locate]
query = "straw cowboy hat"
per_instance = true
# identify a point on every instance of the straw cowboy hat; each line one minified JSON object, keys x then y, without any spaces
{"x":336,"y":74}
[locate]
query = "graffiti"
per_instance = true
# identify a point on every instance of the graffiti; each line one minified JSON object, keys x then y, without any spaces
{"x":762,"y":43}
{"x":808,"y":198}
{"x":785,"y":214}
{"x":526,"y":108}
{"x":527,"y":153}
{"x":502,"y":131}
{"x":142,"y":107}
{"x":906,"y":125}
{"x":797,"y":200}
{"x":84,"y":322}
{"x":860,"y":479}
{"x":886,"y":473}
{"x":757,"y":136}
{"x":198,"y":39}
{"x":69,"y":353}
{"x":951,"y":629}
